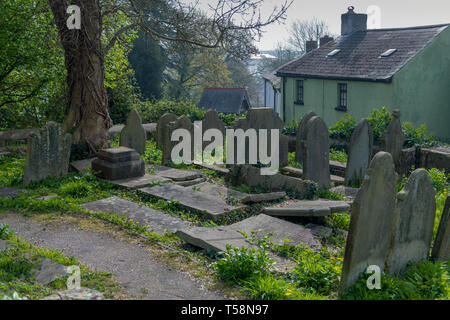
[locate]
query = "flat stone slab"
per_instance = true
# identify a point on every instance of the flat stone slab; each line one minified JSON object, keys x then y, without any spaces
{"x":298,"y":173}
{"x":306,"y":208}
{"x":213,"y":207}
{"x":189,"y":183}
{"x":220,"y":191}
{"x":139,"y":182}
{"x":10,"y":192}
{"x":217,"y":169}
{"x":49,"y":271}
{"x":279,"y":229}
{"x":175,"y":174}
{"x":156,"y":220}
{"x":347,"y":192}
{"x":217,"y":238}
{"x":82,"y":165}
{"x":261,"y":197}
{"x":319,"y":231}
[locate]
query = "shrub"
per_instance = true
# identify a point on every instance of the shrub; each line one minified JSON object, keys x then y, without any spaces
{"x":291,"y":129}
{"x":5,"y":232}
{"x":439,"y":179}
{"x":379,"y":121}
{"x":151,"y":111}
{"x":417,"y":136}
{"x":241,"y":264}
{"x":76,"y":189}
{"x":337,"y":155}
{"x":343,"y":129}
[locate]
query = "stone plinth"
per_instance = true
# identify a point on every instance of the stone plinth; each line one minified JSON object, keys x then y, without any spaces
{"x":118,"y":163}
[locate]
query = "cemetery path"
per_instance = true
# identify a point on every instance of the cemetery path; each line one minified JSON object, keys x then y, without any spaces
{"x":136,"y":270}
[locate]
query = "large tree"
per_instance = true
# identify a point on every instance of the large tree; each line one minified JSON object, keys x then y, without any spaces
{"x":224,"y":24}
{"x":306,"y":30}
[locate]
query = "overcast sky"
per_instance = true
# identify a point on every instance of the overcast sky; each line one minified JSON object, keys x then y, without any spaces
{"x":394,"y":13}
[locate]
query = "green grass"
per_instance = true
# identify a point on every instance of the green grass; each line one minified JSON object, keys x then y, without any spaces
{"x":337,"y":155}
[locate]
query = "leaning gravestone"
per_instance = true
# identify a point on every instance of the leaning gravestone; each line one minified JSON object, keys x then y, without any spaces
{"x":371,"y":222}
{"x":264,"y":118}
{"x":413,"y":224}
{"x":393,"y":139}
{"x":441,"y":247}
{"x":316,"y":152}
{"x":182,"y":122}
{"x":300,"y":134}
{"x":48,"y":153}
{"x":133,"y":135}
{"x":162,"y":123}
{"x":360,"y":152}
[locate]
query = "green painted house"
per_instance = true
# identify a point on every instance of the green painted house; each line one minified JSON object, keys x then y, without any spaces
{"x":362,"y":70}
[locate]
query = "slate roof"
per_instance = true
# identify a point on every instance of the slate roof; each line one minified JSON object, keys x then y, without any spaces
{"x":359,"y":58}
{"x":225,"y":100}
{"x":273,"y":79}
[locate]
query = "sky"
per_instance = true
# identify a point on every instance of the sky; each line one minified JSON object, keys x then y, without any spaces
{"x":393,"y":14}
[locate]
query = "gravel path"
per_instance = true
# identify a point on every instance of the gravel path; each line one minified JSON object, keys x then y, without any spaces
{"x":135,"y":268}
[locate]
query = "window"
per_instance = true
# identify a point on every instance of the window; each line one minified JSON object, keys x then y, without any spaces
{"x":333,"y":53}
{"x":388,"y":53}
{"x":299,"y":92}
{"x":342,"y":96}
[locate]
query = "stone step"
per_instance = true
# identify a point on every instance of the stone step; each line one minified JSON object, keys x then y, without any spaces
{"x":211,"y":206}
{"x":298,"y":173}
{"x":156,"y":220}
{"x":305,"y":208}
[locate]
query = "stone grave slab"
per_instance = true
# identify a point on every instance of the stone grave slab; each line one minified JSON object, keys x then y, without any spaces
{"x":174,"y":174}
{"x":139,"y":182}
{"x":49,"y":271}
{"x":220,"y":191}
{"x":156,"y":220}
{"x":261,"y":197}
{"x":118,"y":163}
{"x":9,"y":192}
{"x":298,"y":173}
{"x":441,"y":247}
{"x":213,"y":207}
{"x":306,"y":208}
{"x":319,"y":231}
{"x":82,"y":165}
{"x":262,"y":225}
{"x":189,"y":183}
{"x":219,"y":170}
{"x":347,"y":192}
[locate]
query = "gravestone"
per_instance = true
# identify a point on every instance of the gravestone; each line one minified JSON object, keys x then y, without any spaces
{"x":393,"y":139}
{"x":301,"y":134}
{"x":133,"y":135}
{"x":162,"y":122}
{"x":212,"y":121}
{"x":182,"y":122}
{"x":118,"y":163}
{"x":48,"y":153}
{"x":316,"y":152}
{"x":371,"y":222}
{"x":263,"y":118}
{"x":413,"y":223}
{"x":360,"y":152}
{"x":441,"y":247}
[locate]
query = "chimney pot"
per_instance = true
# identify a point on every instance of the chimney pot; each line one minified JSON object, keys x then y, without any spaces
{"x":311,"y":45}
{"x":325,"y":39}
{"x":353,"y":22}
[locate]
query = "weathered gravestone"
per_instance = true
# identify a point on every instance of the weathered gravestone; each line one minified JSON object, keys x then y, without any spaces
{"x":393,"y":139}
{"x":360,"y":152}
{"x":118,"y":163}
{"x":316,"y":152}
{"x":441,"y":247}
{"x":133,"y":135}
{"x":182,"y":146}
{"x":260,"y":119}
{"x":372,"y":218}
{"x":48,"y":153}
{"x":413,"y":222}
{"x":162,"y":122}
{"x":301,"y":134}
{"x":211,"y":121}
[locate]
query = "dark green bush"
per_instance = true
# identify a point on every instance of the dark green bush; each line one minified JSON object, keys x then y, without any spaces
{"x":379,"y":121}
{"x":292,"y":128}
{"x":417,"y":136}
{"x":343,"y":129}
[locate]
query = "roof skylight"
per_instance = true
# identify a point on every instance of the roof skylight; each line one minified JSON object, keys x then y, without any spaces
{"x":333,"y":53}
{"x":388,"y":53}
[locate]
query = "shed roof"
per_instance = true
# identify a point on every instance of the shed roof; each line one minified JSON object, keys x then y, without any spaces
{"x":225,"y":100}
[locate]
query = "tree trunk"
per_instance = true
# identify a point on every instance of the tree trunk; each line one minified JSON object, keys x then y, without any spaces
{"x":87,"y":112}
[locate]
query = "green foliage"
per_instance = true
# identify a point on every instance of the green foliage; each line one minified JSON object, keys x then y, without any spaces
{"x":291,"y":129}
{"x":11,"y":170}
{"x":343,"y":128}
{"x":440,"y":203}
{"x":13,"y":267}
{"x":327,"y":194}
{"x":151,"y":111}
{"x":228,"y":119}
{"x":417,"y":137}
{"x":5,"y":232}
{"x":317,"y":272}
{"x":336,"y":155}
{"x":267,"y":287}
{"x":75,"y":189}
{"x":242,"y":264}
{"x":379,"y":121}
{"x":292,"y":162}
{"x":152,"y":153}
{"x":440,"y":179}
{"x":424,"y":280}
{"x":339,"y":220}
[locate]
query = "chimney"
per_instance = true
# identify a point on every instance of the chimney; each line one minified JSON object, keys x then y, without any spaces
{"x":325,"y":39}
{"x":353,"y":22}
{"x":311,"y":45}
